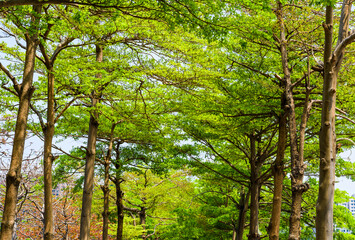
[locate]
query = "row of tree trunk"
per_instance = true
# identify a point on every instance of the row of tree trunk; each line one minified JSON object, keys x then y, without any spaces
{"x":324,"y":222}
{"x":327,"y":138}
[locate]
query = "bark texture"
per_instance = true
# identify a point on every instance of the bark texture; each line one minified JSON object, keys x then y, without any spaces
{"x":243,"y":208}
{"x":279,"y":174}
{"x":327,"y":137}
{"x":324,"y":218}
{"x":297,"y":165}
{"x":119,"y":195}
{"x":254,"y":192}
{"x":142,"y":221}
{"x":120,"y":215}
{"x":48,"y":131}
{"x":105,"y":187}
{"x":25,"y":91}
{"x":90,"y":163}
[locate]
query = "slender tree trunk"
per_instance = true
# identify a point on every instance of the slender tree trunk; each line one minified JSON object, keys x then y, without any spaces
{"x":90,"y":163}
{"x":243,"y":208}
{"x":13,"y":177}
{"x":105,"y":213}
{"x":119,"y":196}
{"x":327,"y":137}
{"x":254,"y":211}
{"x":119,"y":204}
{"x":105,"y":187}
{"x":254,"y":192}
{"x":48,"y":160}
{"x":234,"y":236}
{"x":142,"y":222}
{"x":48,"y":131}
{"x":279,"y":174}
{"x":297,"y":166}
{"x":14,"y":233}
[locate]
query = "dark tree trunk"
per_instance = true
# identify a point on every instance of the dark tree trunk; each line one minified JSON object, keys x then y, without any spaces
{"x":105,"y":187}
{"x":119,"y":204}
{"x":142,"y":221}
{"x":90,"y":163}
{"x":106,"y":213}
{"x":243,"y":208}
{"x":25,"y":90}
{"x":254,"y":192}
{"x":119,"y":196}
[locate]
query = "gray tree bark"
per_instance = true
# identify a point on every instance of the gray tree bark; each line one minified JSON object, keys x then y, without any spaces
{"x":327,"y":136}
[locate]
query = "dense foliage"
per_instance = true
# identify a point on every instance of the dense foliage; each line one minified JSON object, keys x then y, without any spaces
{"x":175,"y":119}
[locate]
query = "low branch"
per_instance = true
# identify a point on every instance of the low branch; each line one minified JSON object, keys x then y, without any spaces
{"x":220,"y":174}
{"x":39,"y":115}
{"x":346,"y":118}
{"x":340,"y":48}
{"x":12,"y":78}
{"x":65,"y":108}
{"x":252,"y":69}
{"x":346,"y":139}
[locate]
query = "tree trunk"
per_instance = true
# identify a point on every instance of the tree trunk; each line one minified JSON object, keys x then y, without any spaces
{"x":13,"y":177}
{"x":105,"y":187}
{"x":48,"y":131}
{"x":327,"y":137}
{"x":89,"y":177}
{"x":48,"y":160}
{"x":119,"y":204}
{"x":243,"y":208}
{"x":324,"y":218}
{"x":297,"y":166}
{"x":90,"y":163}
{"x":279,"y":174}
{"x":105,"y":213}
{"x":254,"y":192}
{"x":142,"y":222}
{"x":119,"y":196}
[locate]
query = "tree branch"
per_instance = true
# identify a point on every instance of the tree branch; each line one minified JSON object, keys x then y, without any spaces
{"x":12,"y":78}
{"x":346,"y":118}
{"x":340,"y":48}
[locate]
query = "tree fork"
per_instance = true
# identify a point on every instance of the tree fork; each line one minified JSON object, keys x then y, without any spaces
{"x":295,"y":147}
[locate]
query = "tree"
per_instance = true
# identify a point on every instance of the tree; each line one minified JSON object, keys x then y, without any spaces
{"x":327,"y":139}
{"x":24,"y":91}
